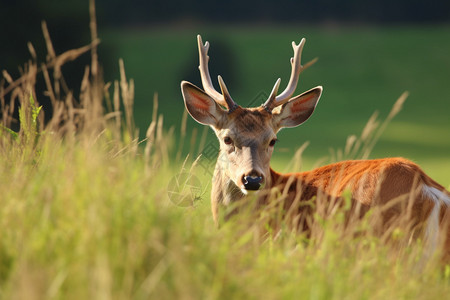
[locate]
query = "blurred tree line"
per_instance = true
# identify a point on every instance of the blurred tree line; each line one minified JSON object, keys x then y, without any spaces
{"x":116,"y":12}
{"x":68,"y":20}
{"x":68,"y":23}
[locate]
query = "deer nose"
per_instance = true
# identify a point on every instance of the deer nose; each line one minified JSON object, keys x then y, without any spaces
{"x":252,"y":182}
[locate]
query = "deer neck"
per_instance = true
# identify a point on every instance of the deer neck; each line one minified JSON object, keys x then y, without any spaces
{"x":224,"y":190}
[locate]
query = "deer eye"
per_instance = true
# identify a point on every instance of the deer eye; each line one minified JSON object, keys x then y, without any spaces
{"x":272,"y":142}
{"x":227,"y":140}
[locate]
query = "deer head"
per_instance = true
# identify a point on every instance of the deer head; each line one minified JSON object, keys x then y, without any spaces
{"x":247,"y":135}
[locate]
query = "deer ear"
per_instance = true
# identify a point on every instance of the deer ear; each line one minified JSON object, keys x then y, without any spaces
{"x":298,"y":109}
{"x":200,"y":106}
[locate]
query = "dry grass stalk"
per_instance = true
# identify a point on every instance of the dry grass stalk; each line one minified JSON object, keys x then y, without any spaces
{"x":90,"y":115}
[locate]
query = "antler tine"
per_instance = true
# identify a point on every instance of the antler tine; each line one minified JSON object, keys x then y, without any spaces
{"x":272,"y":96}
{"x":297,"y":68}
{"x":225,"y":99}
{"x":226,"y":95}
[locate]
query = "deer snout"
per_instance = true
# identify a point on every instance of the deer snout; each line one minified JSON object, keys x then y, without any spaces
{"x":252,"y":181}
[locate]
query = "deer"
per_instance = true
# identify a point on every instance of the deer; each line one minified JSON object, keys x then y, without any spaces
{"x":247,"y":137}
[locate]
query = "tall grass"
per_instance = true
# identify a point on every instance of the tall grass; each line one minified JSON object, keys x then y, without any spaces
{"x":85,"y":213}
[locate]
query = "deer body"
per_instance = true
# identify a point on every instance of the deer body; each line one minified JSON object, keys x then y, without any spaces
{"x":247,"y":137}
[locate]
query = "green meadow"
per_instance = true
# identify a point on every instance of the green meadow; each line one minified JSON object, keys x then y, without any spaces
{"x":87,"y":202}
{"x":363,"y":71}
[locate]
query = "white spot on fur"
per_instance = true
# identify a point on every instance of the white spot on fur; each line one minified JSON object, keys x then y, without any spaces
{"x":432,"y":229}
{"x":436,"y":195}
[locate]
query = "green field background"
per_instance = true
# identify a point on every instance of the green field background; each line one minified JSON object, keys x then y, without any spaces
{"x":362,"y":70}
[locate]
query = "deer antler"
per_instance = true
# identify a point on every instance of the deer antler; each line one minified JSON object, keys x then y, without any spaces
{"x":223,"y":99}
{"x":274,"y":100}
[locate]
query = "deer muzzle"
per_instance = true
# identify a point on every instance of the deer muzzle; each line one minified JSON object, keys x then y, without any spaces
{"x":252,"y":183}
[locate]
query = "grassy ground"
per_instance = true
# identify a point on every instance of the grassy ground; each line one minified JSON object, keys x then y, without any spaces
{"x":86,"y":223}
{"x":363,"y":70}
{"x":86,"y":214}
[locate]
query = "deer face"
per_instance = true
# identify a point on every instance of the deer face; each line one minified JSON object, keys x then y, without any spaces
{"x":247,"y":135}
{"x":246,"y":145}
